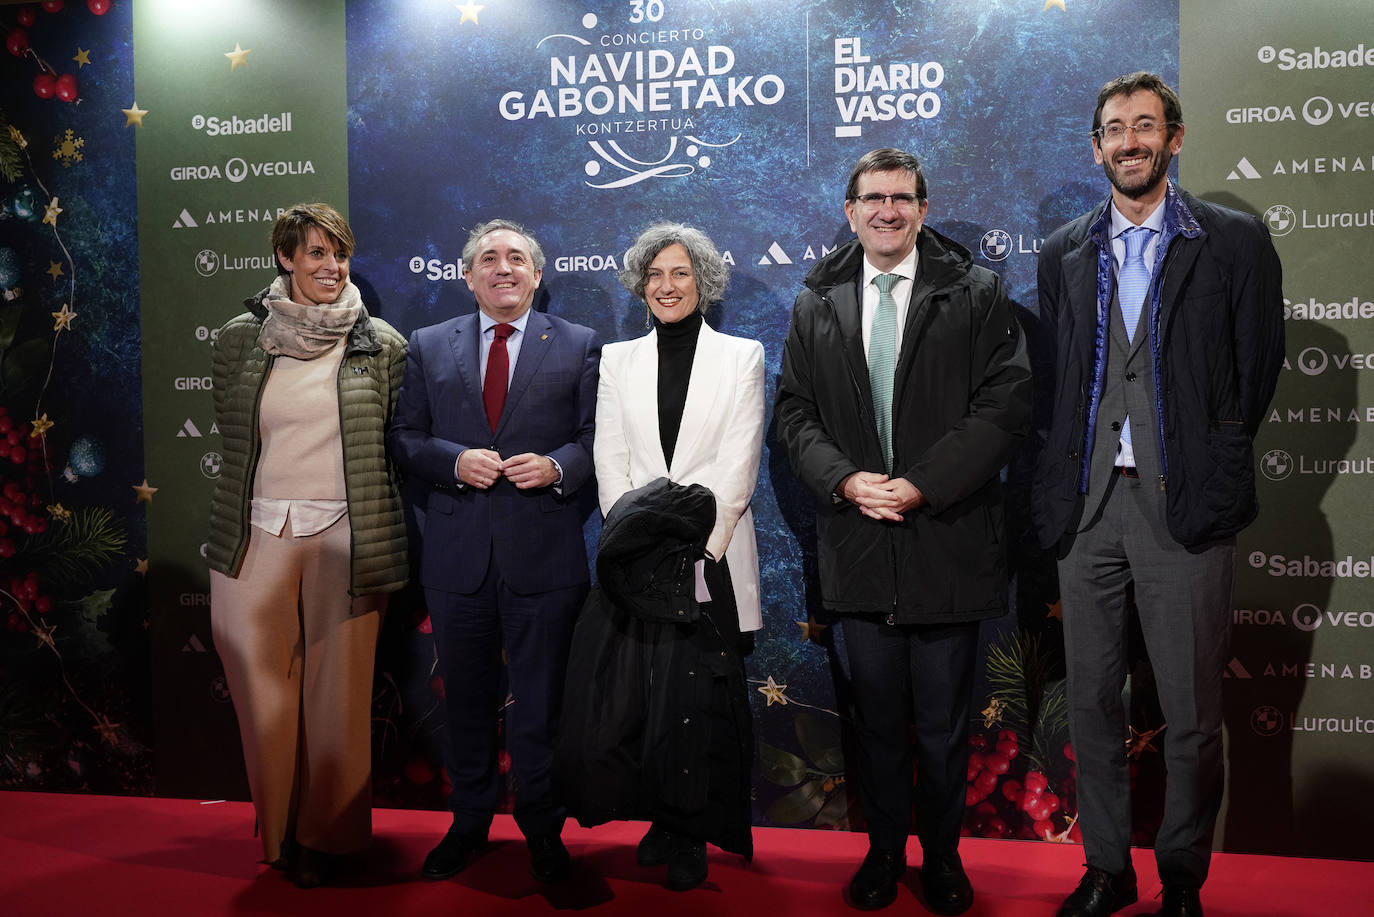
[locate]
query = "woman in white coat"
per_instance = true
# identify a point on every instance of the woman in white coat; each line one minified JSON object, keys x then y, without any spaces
{"x":686,"y":402}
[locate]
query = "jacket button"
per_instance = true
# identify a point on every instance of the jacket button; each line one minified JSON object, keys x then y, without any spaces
{"x":686,"y":720}
{"x":1116,"y":425}
{"x":1130,"y":377}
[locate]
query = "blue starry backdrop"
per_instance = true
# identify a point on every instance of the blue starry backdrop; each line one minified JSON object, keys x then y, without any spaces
{"x":588,"y":121}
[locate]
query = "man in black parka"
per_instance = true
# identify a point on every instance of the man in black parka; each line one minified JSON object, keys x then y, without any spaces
{"x":909,"y":499}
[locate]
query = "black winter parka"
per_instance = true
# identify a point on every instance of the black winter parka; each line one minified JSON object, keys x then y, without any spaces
{"x":961,"y":405}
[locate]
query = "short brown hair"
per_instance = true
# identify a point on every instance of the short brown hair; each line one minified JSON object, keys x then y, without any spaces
{"x":294,"y":226}
{"x":1141,"y":81}
{"x":886,"y":160}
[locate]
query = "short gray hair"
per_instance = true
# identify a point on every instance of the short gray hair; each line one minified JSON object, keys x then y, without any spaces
{"x":482,"y":229}
{"x":709,"y":268}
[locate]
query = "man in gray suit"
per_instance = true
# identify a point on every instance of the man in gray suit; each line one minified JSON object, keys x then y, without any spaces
{"x":1166,"y":316}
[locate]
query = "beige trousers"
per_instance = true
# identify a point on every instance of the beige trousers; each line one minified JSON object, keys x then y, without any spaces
{"x":298,"y":656}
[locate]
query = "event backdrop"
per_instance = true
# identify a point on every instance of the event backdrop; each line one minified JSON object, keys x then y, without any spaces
{"x":587,"y":122}
{"x":1279,"y":123}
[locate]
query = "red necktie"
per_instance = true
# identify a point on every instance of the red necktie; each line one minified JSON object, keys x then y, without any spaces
{"x":498,"y":374}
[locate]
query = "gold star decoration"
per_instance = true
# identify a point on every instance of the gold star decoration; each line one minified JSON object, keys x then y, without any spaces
{"x":51,"y":215}
{"x":54,"y":269}
{"x":141,"y":567}
{"x":773,"y":691}
{"x":59,"y":512}
{"x":469,"y":11}
{"x":145,"y":492}
{"x":107,"y":731}
{"x":1056,"y":610}
{"x":993,"y":712}
{"x":134,"y":115}
{"x":41,"y":425}
{"x":810,"y":630}
{"x":18,"y":137}
{"x":1140,"y":742}
{"x":44,"y":634}
{"x":238,"y":57}
{"x":62,"y":320}
{"x":83,"y":57}
{"x":1058,"y":3}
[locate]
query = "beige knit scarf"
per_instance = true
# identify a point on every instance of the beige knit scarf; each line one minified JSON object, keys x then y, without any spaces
{"x":306,"y":332}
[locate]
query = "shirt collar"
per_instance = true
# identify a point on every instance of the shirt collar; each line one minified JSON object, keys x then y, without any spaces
{"x":905,"y":270}
{"x":1154,"y":221}
{"x":487,"y":322}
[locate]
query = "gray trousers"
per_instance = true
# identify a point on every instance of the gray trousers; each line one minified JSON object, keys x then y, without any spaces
{"x":1183,"y":598}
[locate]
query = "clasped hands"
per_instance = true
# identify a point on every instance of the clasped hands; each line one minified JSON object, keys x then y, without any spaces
{"x":880,"y":497}
{"x":480,"y":468}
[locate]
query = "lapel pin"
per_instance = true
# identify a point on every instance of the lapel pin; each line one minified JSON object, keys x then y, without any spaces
{"x":543,"y":337}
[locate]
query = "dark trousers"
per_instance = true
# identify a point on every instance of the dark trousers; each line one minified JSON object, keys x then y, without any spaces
{"x":470,"y":631}
{"x":1183,"y":598}
{"x":905,"y":675}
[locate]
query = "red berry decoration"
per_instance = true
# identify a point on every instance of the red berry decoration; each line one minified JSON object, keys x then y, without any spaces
{"x":99,"y":7}
{"x":25,"y":16}
{"x":17,"y":42}
{"x":66,"y":87}
{"x":51,"y":6}
{"x":44,"y":86}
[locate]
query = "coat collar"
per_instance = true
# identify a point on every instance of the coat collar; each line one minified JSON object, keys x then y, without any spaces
{"x":700,"y":410}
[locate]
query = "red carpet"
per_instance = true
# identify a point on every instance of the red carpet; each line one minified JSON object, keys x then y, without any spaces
{"x":75,"y":855}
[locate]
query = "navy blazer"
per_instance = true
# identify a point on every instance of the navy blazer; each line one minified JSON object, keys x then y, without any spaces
{"x":533,"y":536}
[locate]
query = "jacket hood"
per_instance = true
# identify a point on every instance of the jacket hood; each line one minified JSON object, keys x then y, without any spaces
{"x":942,"y":262}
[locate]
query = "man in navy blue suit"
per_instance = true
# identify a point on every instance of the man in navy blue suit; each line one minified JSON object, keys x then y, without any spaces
{"x":496,"y":414}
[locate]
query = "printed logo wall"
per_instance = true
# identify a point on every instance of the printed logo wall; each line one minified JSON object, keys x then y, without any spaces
{"x":586,"y":122}
{"x":244,"y":115}
{"x":1279,"y":123}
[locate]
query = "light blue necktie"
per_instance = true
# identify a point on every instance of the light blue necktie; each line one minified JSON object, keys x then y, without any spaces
{"x":1132,"y":285}
{"x":882,"y":361}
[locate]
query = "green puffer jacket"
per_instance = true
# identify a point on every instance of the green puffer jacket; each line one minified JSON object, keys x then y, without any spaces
{"x":369,"y":380}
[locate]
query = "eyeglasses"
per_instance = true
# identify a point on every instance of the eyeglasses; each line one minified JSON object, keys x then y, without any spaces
{"x":1115,"y":133}
{"x":903,"y":200}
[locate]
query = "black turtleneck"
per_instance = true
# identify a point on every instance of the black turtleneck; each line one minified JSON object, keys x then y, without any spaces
{"x":677,"y":346}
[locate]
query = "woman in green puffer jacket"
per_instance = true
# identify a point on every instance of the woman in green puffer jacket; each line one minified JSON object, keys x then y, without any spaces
{"x":307,"y":540}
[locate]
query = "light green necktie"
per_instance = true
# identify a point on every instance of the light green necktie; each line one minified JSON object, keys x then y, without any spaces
{"x":882,"y":361}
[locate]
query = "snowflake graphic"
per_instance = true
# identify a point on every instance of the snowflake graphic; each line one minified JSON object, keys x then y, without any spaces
{"x":68,"y":148}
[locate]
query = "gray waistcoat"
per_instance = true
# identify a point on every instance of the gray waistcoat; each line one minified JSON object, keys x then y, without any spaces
{"x":1128,"y":389}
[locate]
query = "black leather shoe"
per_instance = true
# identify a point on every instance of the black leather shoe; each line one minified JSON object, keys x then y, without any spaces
{"x":656,"y":846}
{"x":1100,"y":893}
{"x":687,"y":865}
{"x":549,"y":859}
{"x":875,"y":884}
{"x":1181,"y":902}
{"x":946,"y":886}
{"x":451,"y":855}
{"x":314,"y":868}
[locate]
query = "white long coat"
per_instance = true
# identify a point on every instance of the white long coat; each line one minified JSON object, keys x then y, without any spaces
{"x":719,"y":443}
